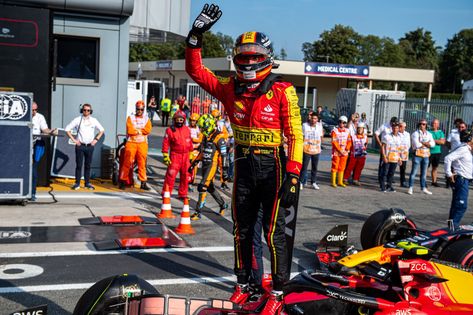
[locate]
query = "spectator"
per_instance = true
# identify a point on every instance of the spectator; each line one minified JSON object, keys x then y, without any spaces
{"x":181,"y":99}
{"x":177,"y":145}
{"x":319,"y":111}
{"x":358,"y":153}
{"x":378,"y":136}
{"x":39,"y":126}
{"x":174,"y":109}
{"x":364,"y":120}
{"x":453,"y":139}
{"x":85,"y":126}
{"x":422,"y":141}
{"x":152,"y":108}
{"x":196,"y":105}
{"x":313,"y":133}
{"x":186,"y":109}
{"x":391,"y":158}
{"x":138,"y":127}
{"x":341,"y":144}
{"x":353,"y":124}
{"x":165,"y":111}
{"x":436,"y":150}
{"x":460,"y":160}
{"x":404,"y":151}
{"x":206,"y":105}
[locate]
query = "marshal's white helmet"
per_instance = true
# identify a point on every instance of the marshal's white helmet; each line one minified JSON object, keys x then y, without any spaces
{"x":343,"y":118}
{"x":361,"y":125}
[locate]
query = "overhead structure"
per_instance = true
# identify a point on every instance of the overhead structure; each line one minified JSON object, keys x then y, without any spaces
{"x":160,"y":21}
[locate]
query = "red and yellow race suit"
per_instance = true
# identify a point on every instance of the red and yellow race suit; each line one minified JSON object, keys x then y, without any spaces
{"x":259,"y":120}
{"x":136,"y":148}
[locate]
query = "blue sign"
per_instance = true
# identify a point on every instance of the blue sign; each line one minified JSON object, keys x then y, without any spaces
{"x":164,"y":65}
{"x":335,"y":69}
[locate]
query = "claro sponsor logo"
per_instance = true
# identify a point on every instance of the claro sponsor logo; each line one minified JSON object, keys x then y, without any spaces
{"x":247,"y":136}
{"x":336,"y":238}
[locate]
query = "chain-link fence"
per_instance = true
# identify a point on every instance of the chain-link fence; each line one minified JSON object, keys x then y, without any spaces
{"x":411,"y":111}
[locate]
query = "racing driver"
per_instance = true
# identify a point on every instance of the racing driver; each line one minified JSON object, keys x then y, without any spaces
{"x":262,"y":109}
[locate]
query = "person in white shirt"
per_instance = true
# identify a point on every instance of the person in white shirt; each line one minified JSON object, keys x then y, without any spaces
{"x":422,"y":141}
{"x":461,"y":161}
{"x":378,"y":136}
{"x":39,"y":126}
{"x":85,"y":140}
{"x":453,"y":139}
{"x":405,"y":146}
{"x":313,"y":133}
{"x":364,"y":120}
{"x":391,"y":154}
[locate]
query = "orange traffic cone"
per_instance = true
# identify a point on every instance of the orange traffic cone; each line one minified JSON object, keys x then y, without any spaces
{"x":185,"y":224}
{"x":166,"y":211}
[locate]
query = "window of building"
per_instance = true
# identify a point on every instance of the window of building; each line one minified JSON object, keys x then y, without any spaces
{"x":77,"y":58}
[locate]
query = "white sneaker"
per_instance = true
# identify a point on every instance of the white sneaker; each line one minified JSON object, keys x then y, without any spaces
{"x":410,"y":191}
{"x":316,"y":187}
{"x":426,"y":191}
{"x":302,"y":186}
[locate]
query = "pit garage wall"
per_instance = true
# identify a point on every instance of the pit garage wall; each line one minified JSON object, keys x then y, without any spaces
{"x":108,"y":97}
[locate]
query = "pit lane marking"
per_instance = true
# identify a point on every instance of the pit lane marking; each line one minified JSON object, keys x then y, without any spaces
{"x":82,"y":286}
{"x":26,"y":271}
{"x":97,"y":196}
{"x":116,"y":252}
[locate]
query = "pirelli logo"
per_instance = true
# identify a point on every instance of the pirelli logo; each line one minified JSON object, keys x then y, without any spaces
{"x":258,"y":137}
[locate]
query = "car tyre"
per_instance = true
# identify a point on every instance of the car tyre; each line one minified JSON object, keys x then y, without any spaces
{"x":383,"y":226}
{"x":459,"y":252}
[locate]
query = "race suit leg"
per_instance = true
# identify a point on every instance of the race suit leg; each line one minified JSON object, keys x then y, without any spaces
{"x":342,"y":163}
{"x":172,"y":171}
{"x":335,"y":162}
{"x":215,"y":194}
{"x":183,"y":176}
{"x":258,"y":178}
{"x":141,"y":155}
{"x":130,"y":152}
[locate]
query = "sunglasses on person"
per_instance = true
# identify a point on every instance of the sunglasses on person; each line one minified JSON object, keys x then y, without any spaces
{"x":423,"y":124}
{"x":342,"y":122}
{"x":34,"y":110}
{"x":86,"y":110}
{"x":140,"y":109}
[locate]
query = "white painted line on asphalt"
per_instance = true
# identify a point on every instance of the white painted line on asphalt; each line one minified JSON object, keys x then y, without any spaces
{"x":115,"y":252}
{"x":98,"y":196}
{"x":156,"y":282}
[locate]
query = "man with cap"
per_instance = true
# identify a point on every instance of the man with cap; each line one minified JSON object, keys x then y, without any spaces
{"x":341,"y":145}
{"x":138,"y":127}
{"x":177,"y":146}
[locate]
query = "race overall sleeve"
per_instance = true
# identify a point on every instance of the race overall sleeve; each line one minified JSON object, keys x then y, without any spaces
{"x":292,"y":125}
{"x":130,"y":128}
{"x":335,"y":143}
{"x":147,"y":129}
{"x":166,"y":141}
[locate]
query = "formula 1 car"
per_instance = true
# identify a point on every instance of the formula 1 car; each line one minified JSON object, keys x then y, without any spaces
{"x":414,"y":272}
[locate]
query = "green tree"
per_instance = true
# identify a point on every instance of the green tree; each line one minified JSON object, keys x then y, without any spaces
{"x":283,"y":54}
{"x":226,"y":41}
{"x":456,"y":62}
{"x":340,"y":44}
{"x":420,"y":49}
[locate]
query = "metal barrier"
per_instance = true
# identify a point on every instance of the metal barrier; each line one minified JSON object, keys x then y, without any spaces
{"x":194,"y":90}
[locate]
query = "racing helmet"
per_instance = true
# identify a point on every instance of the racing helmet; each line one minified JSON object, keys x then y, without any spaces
{"x":179,"y":114}
{"x":195,"y":116}
{"x":216,"y":113}
{"x":253,"y":44}
{"x":206,"y":124}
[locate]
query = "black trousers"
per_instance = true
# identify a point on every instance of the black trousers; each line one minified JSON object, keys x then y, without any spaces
{"x":165,"y":118}
{"x":83,"y":156}
{"x":257,"y":179}
{"x":387,"y":174}
{"x":402,"y":172}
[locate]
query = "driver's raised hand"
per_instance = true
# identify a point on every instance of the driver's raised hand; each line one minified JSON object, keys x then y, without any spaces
{"x":208,"y":17}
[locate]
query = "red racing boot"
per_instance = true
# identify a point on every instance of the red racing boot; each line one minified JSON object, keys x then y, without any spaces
{"x":241,"y":294}
{"x":274,"y":304}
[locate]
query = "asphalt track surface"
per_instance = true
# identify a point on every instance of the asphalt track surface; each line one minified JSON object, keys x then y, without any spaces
{"x":58,"y":273}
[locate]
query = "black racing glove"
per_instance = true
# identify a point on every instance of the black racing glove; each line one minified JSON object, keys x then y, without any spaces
{"x":289,"y":191}
{"x":208,"y":17}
